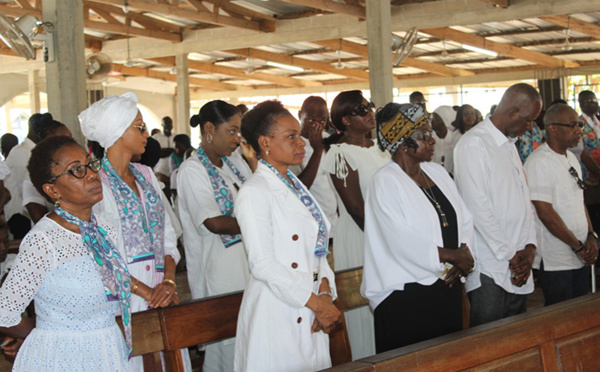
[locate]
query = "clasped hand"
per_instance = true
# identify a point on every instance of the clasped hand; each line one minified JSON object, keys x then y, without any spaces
{"x":327,"y":316}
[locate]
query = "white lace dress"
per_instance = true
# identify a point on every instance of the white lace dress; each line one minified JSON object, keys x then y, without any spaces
{"x":75,"y":326}
{"x":348,"y":241}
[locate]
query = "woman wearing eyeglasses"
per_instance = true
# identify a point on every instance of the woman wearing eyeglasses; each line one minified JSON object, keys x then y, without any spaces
{"x":351,"y":160}
{"x":132,"y":199}
{"x":417,"y":233}
{"x":70,"y":267}
{"x":208,"y":184}
{"x":287,"y":309}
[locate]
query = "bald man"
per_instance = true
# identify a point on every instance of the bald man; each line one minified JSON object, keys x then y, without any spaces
{"x":491,"y":181}
{"x":567,"y":243}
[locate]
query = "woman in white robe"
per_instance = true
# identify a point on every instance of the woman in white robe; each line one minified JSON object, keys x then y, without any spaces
{"x":208,"y":183}
{"x":287,"y":309}
{"x":417,"y":236}
{"x":133,"y":202}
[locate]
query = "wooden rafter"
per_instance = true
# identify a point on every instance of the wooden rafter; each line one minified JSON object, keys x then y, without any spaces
{"x":199,"y":16}
{"x":574,"y":24}
{"x":143,"y":20}
{"x":332,"y":6}
{"x":24,"y":4}
{"x":300,"y":62}
{"x":447,"y":33}
{"x":239,"y":73}
{"x":204,"y":83}
{"x":362,"y":50}
{"x":498,"y":3}
{"x":240,"y":11}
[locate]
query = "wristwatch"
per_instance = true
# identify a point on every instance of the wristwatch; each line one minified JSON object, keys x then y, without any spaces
{"x":594,"y":234}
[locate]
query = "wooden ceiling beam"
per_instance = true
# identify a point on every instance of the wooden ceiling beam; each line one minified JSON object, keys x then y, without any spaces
{"x":136,"y":31}
{"x":230,"y":7}
{"x":300,"y":62}
{"x":239,"y":73}
{"x":24,"y":4}
{"x":332,"y":6}
{"x":139,"y":18}
{"x":447,"y":33}
{"x":590,"y":29}
{"x":149,"y":73}
{"x":199,"y":16}
{"x":498,"y":3}
{"x":362,"y":50}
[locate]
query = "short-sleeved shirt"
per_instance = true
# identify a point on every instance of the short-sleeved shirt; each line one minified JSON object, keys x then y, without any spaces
{"x":550,"y":181}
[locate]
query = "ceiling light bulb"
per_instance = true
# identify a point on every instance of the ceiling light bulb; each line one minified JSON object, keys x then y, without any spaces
{"x":249,"y":71}
{"x":444,"y":54}
{"x":567,"y":45}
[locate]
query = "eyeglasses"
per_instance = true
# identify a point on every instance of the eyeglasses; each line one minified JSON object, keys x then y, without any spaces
{"x":588,"y":100}
{"x":573,"y":125}
{"x":425,"y":136}
{"x":362,"y":110}
{"x":580,"y":183}
{"x":142,"y":128}
{"x":80,"y":171}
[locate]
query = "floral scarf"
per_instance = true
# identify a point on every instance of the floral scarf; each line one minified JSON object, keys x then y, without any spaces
{"x":223,"y":195}
{"x":110,"y":265}
{"x":309,"y":202}
{"x":143,"y":226}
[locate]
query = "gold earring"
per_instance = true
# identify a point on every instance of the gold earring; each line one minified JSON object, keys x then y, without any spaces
{"x":209,"y":137}
{"x":57,"y":203}
{"x":267,"y":152}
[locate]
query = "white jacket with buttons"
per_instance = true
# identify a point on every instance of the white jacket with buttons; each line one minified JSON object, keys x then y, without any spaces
{"x":274,"y":325}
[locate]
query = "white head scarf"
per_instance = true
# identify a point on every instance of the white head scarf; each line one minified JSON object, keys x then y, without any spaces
{"x":447,"y":114}
{"x":105,"y":121}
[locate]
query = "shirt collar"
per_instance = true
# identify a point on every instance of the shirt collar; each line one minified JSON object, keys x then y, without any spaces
{"x":499,"y":137}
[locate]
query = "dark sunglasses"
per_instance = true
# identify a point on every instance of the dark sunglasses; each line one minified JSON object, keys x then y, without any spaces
{"x":580,"y":183}
{"x":577,"y":124}
{"x":426,"y":136}
{"x":362,"y":110}
{"x":80,"y":171}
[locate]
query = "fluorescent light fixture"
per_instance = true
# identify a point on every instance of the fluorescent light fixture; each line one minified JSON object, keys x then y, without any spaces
{"x":287,"y":67}
{"x":479,"y":50}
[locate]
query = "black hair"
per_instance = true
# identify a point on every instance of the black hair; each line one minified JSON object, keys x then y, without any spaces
{"x":558,"y":100}
{"x":386,"y":113}
{"x":342,"y":105}
{"x":96,"y":149}
{"x":166,"y":119}
{"x":47,"y":126}
{"x":217,"y":112}
{"x":151,"y":154}
{"x":459,"y":123}
{"x":42,"y":159}
{"x":184,"y":139}
{"x":259,"y":121}
{"x":310,"y":100}
{"x":7,"y":142}
{"x":242,"y":109}
{"x":414,"y":95}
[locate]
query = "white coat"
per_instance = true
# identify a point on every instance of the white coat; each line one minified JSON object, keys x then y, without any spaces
{"x":274,"y":325}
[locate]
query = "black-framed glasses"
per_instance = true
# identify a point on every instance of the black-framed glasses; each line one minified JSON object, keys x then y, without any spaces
{"x":425,"y":136}
{"x":580,"y":183}
{"x":573,"y":125}
{"x":80,"y":171}
{"x":142,"y":128}
{"x":363,"y":110}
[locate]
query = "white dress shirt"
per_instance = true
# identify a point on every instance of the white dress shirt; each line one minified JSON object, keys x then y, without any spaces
{"x":17,"y":163}
{"x":550,"y":182}
{"x":492,"y":183}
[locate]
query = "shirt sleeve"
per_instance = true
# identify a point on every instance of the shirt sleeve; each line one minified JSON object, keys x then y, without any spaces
{"x":33,"y":265}
{"x":195,"y":191}
{"x":540,"y":179}
{"x":472,"y":181}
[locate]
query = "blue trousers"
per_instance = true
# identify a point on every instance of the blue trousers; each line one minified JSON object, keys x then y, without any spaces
{"x":564,"y":285}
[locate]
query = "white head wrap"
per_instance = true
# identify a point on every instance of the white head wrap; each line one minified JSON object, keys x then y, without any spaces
{"x":105,"y":121}
{"x":447,"y":114}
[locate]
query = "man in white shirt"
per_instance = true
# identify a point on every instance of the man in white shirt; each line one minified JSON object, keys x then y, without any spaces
{"x":567,"y":243}
{"x":314,"y":117}
{"x":446,"y":136}
{"x":16,"y":216}
{"x":167,"y":146}
{"x":492,"y":183}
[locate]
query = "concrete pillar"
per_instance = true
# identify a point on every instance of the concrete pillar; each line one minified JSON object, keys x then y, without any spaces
{"x":33,"y":82}
{"x":379,"y":34}
{"x":65,"y":77}
{"x":183,"y":95}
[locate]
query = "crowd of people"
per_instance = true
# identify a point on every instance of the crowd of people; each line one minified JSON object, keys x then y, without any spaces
{"x":431,"y":203}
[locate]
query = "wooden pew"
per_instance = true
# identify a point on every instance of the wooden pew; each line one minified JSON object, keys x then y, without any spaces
{"x":215,"y":318}
{"x":562,"y":337}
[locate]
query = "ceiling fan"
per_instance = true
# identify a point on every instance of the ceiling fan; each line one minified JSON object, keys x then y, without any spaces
{"x":402,"y":46}
{"x":18,"y":35}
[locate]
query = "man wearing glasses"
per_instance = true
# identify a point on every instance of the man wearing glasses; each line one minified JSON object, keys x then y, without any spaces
{"x":566,"y":239}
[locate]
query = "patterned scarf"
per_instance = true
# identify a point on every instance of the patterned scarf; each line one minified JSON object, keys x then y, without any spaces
{"x":143,"y":226}
{"x":223,"y":195}
{"x":300,"y":191}
{"x":110,"y":265}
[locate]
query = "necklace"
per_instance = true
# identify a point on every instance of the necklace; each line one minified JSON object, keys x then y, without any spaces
{"x":431,"y":197}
